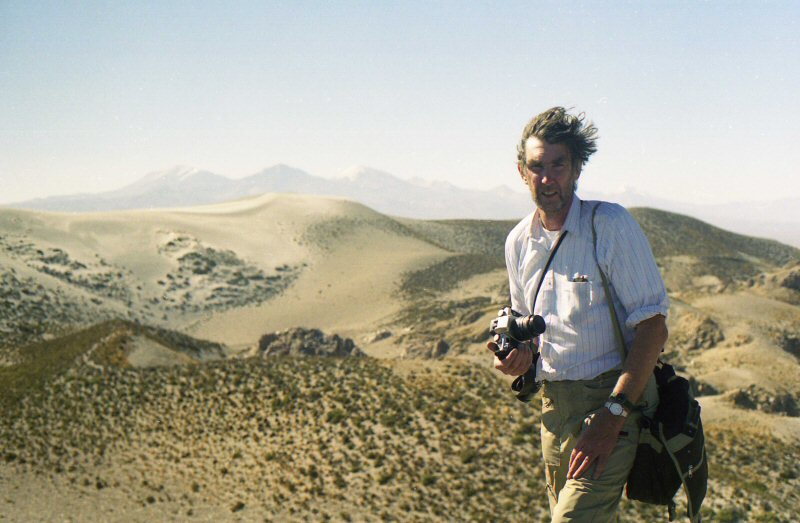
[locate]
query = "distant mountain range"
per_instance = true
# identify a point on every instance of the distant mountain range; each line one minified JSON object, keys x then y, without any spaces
{"x":388,"y":194}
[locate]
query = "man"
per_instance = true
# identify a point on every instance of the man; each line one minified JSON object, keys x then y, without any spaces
{"x":593,"y":396}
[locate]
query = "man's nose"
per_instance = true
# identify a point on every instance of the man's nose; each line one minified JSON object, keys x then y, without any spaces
{"x":546,"y":177}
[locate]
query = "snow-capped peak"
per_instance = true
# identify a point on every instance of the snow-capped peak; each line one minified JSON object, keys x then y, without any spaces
{"x":177,"y":173}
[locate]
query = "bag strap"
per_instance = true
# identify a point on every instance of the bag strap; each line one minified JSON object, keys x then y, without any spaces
{"x":614,"y":319}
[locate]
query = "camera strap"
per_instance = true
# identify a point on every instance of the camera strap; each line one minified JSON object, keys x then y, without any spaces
{"x":547,"y":266}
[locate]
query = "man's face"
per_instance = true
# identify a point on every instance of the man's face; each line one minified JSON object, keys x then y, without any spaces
{"x":549,"y":173}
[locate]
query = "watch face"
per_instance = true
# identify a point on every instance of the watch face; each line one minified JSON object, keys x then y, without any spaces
{"x":615,"y":408}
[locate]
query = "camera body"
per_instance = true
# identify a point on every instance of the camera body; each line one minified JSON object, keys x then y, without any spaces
{"x":512,"y":328}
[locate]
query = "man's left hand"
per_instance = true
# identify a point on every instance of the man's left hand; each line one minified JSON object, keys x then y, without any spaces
{"x":517,"y":362}
{"x":595,"y":445}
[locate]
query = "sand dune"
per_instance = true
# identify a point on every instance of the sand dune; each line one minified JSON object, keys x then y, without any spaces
{"x":317,"y":261}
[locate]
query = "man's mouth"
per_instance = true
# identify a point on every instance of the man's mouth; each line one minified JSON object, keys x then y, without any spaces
{"x":549,"y":194}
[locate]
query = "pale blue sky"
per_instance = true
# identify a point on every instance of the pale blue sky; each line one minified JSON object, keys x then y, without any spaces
{"x":697,"y":101}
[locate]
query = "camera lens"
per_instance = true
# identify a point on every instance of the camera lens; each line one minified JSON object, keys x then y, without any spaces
{"x":526,"y":328}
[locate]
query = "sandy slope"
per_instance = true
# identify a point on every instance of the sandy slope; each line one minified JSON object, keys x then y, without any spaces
{"x":748,"y":355}
{"x":264,"y":230}
{"x":345,"y":291}
{"x":718,"y":414}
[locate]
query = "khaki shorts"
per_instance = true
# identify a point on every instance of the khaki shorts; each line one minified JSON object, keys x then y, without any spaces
{"x":567,"y":409}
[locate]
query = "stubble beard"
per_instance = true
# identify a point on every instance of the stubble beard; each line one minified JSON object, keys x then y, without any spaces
{"x":558,"y":205}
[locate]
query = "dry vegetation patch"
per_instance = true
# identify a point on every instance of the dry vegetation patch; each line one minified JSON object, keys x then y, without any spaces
{"x":279,"y":436}
{"x":97,"y":275}
{"x":29,"y":311}
{"x":312,"y":439}
{"x":207,"y":278}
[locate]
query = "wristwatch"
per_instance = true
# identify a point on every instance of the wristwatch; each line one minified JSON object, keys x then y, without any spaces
{"x":619,"y":405}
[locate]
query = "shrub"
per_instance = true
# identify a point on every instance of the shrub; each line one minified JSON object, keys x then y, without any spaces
{"x":428,"y":479}
{"x":335,"y":416}
{"x":468,"y":455}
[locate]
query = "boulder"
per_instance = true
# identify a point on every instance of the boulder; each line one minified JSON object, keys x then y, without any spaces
{"x":378,"y":336}
{"x":438,"y":350}
{"x":792,"y":281}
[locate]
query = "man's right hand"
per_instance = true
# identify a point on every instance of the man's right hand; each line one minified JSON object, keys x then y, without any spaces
{"x":517,"y":362}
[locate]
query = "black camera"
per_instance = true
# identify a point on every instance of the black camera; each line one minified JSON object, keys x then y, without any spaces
{"x":512,"y":328}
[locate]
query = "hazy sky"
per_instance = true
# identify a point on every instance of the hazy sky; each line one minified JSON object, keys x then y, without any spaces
{"x":697,"y":101}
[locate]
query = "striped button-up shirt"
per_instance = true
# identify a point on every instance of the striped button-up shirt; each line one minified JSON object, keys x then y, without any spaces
{"x":579,"y":342}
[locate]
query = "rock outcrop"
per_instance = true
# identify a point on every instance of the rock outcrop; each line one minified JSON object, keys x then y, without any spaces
{"x":756,"y":398}
{"x":694,"y":331}
{"x":306,"y":342}
{"x":792,"y":281}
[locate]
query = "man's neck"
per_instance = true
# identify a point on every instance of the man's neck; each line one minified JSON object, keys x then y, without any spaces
{"x":554,"y":221}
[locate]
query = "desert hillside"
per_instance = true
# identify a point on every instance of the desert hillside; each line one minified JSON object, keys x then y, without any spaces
{"x":302,"y":358}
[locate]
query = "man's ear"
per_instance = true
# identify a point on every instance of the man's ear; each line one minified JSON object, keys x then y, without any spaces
{"x":521,"y":170}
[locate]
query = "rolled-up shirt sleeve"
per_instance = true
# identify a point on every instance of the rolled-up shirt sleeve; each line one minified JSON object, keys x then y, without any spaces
{"x":631,"y":267}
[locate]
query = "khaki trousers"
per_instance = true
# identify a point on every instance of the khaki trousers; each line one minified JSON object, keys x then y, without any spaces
{"x":567,"y":410}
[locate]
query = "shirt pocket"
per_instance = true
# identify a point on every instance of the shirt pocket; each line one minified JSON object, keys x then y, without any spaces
{"x":574,"y":299}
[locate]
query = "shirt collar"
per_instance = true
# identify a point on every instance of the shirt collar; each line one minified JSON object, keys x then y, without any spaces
{"x":572,"y":223}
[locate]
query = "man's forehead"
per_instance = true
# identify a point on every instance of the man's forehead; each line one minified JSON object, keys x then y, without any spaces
{"x":536,"y":149}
